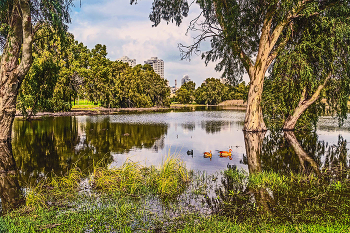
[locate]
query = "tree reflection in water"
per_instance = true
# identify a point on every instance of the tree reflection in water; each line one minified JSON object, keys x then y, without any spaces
{"x":276,"y":191}
{"x":55,"y":145}
{"x":10,"y":192}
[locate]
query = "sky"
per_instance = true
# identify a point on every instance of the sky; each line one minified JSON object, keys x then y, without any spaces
{"x":127,"y":31}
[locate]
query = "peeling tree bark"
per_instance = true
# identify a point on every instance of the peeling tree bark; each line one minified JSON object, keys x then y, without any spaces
{"x":254,"y":121}
{"x":267,"y":52}
{"x":304,"y":103}
{"x":12,"y":71}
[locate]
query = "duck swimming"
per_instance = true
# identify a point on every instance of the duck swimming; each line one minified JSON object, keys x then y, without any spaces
{"x":208,"y":155}
{"x":225,"y":153}
{"x":190,"y":152}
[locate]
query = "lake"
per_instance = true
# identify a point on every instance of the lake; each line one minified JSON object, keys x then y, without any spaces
{"x":56,"y":144}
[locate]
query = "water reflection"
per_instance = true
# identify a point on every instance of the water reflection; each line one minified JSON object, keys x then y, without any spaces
{"x":56,"y":144}
{"x":10,"y":192}
{"x":272,"y":192}
{"x":212,"y":127}
{"x":189,"y":126}
{"x":106,"y":136}
{"x":304,"y":158}
{"x":287,"y":152}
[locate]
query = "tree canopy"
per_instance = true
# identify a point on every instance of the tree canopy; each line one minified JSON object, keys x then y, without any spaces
{"x":186,"y":93}
{"x":247,"y":36}
{"x":315,"y":63}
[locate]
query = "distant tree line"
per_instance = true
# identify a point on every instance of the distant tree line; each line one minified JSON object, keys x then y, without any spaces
{"x":63,"y":71}
{"x":211,"y":92}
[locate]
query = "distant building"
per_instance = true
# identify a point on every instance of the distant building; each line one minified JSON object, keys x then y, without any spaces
{"x":185,"y":79}
{"x":125,"y":59}
{"x":157,"y":64}
{"x":173,"y":89}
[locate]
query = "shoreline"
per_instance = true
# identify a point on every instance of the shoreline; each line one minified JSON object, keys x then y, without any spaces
{"x":108,"y":111}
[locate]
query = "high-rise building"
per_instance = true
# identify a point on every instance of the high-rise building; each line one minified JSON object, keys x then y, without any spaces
{"x":173,"y":89}
{"x":157,"y":64}
{"x":185,"y":79}
{"x":125,"y":59}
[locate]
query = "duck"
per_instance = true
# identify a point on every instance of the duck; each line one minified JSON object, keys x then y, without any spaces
{"x":208,"y":155}
{"x":225,"y":153}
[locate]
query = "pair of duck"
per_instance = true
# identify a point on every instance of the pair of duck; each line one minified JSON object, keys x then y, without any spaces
{"x":222,"y":154}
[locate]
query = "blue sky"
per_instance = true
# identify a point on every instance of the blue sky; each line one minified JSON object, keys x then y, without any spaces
{"x":127,"y":31}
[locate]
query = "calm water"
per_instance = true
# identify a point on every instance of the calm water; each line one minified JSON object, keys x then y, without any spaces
{"x":56,"y":144}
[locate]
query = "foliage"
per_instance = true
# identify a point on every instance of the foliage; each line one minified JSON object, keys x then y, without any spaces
{"x":186,"y":92}
{"x":248,"y":36}
{"x":238,"y":92}
{"x":116,"y":84}
{"x":319,"y":47}
{"x":53,"y":145}
{"x":279,"y":101}
{"x":53,"y":80}
{"x":97,"y":76}
{"x":212,"y":92}
{"x":62,"y":72}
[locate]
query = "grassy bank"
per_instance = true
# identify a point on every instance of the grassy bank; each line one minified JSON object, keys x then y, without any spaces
{"x":169,"y":198}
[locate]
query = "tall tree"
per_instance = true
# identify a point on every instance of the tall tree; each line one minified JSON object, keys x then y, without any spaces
{"x":246,"y":36}
{"x":53,"y":78}
{"x":315,"y":63}
{"x":20,"y":22}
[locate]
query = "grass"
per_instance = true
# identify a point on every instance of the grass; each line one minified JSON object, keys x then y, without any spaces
{"x":84,"y":102}
{"x":130,"y":198}
{"x":168,"y":181}
{"x":220,"y":224}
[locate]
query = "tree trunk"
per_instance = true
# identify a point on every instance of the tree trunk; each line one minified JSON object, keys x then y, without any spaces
{"x":19,"y":41}
{"x":254,"y":121}
{"x":10,"y":192}
{"x":291,"y":121}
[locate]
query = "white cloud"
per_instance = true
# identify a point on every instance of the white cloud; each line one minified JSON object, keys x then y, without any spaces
{"x":127,"y":31}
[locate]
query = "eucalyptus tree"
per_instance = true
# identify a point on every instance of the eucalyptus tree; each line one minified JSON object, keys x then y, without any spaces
{"x":20,"y":22}
{"x":245,"y":35}
{"x":314,"y":64}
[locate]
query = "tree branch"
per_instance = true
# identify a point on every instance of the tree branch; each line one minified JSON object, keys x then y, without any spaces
{"x":247,"y":62}
{"x":26,"y":60}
